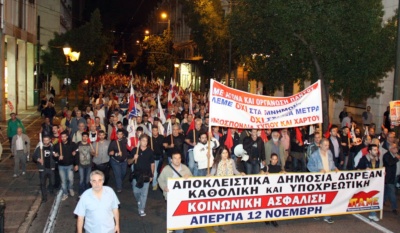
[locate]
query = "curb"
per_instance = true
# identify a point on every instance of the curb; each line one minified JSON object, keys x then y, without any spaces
{"x":31,"y":215}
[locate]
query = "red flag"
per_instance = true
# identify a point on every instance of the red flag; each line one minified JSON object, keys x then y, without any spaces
{"x":191,"y":126}
{"x":348,"y":132}
{"x":299,"y":136}
{"x":229,"y":141}
{"x":327,"y":134}
{"x":113,"y":135}
{"x":264,"y":136}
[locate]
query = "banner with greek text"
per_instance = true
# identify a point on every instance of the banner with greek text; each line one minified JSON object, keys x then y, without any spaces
{"x":237,"y":109}
{"x":394,"y":112}
{"x":209,"y":201}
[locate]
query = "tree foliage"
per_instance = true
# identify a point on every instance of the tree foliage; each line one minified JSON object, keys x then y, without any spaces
{"x":92,"y":43}
{"x":158,"y":52}
{"x":343,"y":43}
{"x":209,"y":29}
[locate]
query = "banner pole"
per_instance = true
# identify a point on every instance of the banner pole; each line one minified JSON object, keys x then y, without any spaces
{"x":208,"y":157}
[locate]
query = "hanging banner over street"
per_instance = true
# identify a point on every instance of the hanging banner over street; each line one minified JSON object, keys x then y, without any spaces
{"x":394,"y":112}
{"x":209,"y":201}
{"x":237,"y":109}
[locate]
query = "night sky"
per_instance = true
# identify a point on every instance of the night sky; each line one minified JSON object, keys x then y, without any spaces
{"x":125,"y":18}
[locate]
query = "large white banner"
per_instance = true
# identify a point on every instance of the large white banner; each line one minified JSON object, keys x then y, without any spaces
{"x":210,"y":201}
{"x":237,"y":109}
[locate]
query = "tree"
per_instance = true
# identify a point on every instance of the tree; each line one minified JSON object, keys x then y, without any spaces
{"x":89,"y":40}
{"x":158,"y":55}
{"x":342,"y":43}
{"x":209,"y":30}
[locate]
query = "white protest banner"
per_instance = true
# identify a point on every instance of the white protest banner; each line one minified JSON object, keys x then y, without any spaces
{"x":237,"y":109}
{"x":394,"y":112}
{"x":209,"y":201}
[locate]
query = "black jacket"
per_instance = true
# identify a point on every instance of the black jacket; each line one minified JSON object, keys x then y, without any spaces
{"x":248,"y":144}
{"x":332,"y":149}
{"x":390,"y":163}
{"x":67,"y":149}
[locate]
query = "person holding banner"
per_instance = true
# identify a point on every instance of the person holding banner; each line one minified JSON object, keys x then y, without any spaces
{"x":367,"y":162}
{"x":322,"y":161}
{"x":274,"y":146}
{"x":335,"y":145}
{"x":203,"y":154}
{"x":254,"y":146}
{"x":390,"y":160}
{"x":173,"y":170}
{"x":43,"y":157}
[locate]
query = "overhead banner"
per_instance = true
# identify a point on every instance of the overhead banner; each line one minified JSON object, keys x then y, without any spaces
{"x":209,"y":201}
{"x":395,"y":112}
{"x":237,"y":109}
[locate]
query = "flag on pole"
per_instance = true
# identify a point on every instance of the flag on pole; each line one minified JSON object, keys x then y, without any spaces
{"x":190,"y":104}
{"x":327,"y":134}
{"x":161,"y":114}
{"x":191,"y":126}
{"x":311,"y":130}
{"x":264,"y":136}
{"x":133,"y":111}
{"x":229,"y":141}
{"x":169,"y":129}
{"x":132,"y":140}
{"x":171,"y":93}
{"x":299,"y":136}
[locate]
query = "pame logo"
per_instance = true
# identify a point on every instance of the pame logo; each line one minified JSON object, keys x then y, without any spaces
{"x":364,"y":201}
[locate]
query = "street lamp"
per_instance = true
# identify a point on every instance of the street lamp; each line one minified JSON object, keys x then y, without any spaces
{"x":69,"y":56}
{"x":165,"y":16}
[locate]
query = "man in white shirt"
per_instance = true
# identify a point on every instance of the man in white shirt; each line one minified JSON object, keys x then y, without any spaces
{"x":20,"y":146}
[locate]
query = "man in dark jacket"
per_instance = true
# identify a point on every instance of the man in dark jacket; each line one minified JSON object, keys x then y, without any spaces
{"x":44,"y":158}
{"x":67,"y":163}
{"x":119,"y":153}
{"x":390,"y":160}
{"x":254,"y":146}
{"x":335,"y":146}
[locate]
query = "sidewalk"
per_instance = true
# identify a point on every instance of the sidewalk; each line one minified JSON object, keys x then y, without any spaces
{"x":21,"y":194}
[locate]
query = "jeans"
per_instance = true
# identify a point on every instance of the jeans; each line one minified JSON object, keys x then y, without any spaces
{"x":202,"y":172}
{"x":372,"y":214}
{"x":252,"y":166}
{"x":298,"y":159}
{"x":350,"y":161}
{"x":156,"y":162}
{"x":191,"y":163}
{"x":20,"y":157}
{"x":390,"y":193}
{"x":67,"y":178}
{"x":119,"y":169}
{"x":140,"y":194}
{"x":84,"y":173}
{"x":43,"y":176}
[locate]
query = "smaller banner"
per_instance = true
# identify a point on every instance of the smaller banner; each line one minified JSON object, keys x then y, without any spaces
{"x":237,"y":109}
{"x":209,"y":201}
{"x":395,"y":112}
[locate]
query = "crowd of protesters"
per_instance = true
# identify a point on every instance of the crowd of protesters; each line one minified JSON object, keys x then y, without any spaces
{"x":168,"y":126}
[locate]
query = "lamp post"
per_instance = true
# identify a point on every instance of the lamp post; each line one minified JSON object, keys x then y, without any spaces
{"x":176,"y":66}
{"x":165,"y":16}
{"x":73,"y":56}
